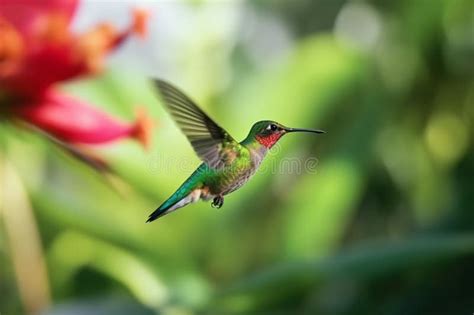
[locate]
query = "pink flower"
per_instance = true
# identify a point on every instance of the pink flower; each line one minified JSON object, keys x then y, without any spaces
{"x":84,"y":125}
{"x":37,"y":51}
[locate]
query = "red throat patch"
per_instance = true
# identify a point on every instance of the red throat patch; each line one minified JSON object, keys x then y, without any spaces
{"x":270,"y":140}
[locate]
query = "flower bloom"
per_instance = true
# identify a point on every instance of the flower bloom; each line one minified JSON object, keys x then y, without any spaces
{"x":37,"y":51}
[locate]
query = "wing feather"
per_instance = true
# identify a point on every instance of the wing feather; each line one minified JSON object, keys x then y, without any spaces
{"x":209,"y":140}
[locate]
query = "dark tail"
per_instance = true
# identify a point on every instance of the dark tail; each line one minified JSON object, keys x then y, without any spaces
{"x":179,"y":199}
{"x":157,"y":214}
{"x":169,"y":205}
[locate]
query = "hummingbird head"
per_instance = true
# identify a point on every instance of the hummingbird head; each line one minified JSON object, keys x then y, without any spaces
{"x":268,"y":132}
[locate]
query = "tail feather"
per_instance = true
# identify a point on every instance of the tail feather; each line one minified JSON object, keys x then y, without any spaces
{"x":161,"y":211}
{"x":187,"y":193}
{"x":164,"y":209}
{"x":176,"y":201}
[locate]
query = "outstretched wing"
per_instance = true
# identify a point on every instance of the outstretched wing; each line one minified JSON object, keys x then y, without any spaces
{"x":211,"y":143}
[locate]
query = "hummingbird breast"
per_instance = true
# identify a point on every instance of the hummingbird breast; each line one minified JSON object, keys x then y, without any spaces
{"x":238,"y":173}
{"x":232,"y":183}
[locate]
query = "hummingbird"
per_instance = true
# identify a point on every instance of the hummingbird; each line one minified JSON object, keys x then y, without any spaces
{"x":226,"y":164}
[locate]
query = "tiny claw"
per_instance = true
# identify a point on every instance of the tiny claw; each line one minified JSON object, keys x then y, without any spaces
{"x":218,"y":202}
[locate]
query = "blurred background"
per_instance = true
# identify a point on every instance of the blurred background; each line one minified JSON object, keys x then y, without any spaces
{"x":381,"y":224}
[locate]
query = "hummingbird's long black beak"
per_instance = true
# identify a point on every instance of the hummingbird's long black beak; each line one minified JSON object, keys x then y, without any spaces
{"x":304,"y":130}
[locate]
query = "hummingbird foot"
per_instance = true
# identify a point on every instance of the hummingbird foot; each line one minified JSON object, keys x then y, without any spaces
{"x":218,"y":202}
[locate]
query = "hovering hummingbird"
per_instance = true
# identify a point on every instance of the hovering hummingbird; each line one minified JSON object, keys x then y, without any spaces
{"x":227,"y":164}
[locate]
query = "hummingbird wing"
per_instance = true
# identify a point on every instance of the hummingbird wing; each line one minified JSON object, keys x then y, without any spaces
{"x":211,"y":142}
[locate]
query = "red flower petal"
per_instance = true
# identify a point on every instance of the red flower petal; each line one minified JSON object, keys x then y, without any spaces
{"x":36,"y":50}
{"x":25,"y":15}
{"x":38,"y":71}
{"x":55,"y":55}
{"x":74,"y":121}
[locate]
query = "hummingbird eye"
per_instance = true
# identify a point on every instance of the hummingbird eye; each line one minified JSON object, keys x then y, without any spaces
{"x":272,"y":127}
